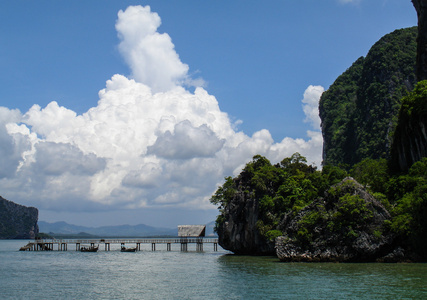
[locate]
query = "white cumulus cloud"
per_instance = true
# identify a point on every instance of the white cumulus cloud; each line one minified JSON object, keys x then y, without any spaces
{"x":311,"y":105}
{"x":186,"y":142}
{"x":11,"y":148}
{"x":150,"y":54}
{"x":149,"y":142}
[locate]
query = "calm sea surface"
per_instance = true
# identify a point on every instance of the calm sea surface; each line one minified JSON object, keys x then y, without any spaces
{"x":195,"y":275}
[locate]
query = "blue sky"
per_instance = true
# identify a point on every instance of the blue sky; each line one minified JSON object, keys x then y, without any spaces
{"x":232,"y":76}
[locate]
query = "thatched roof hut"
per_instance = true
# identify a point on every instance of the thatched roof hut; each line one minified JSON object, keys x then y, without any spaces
{"x":191,"y":230}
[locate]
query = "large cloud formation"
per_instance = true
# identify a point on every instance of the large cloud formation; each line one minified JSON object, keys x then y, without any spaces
{"x":149,"y":142}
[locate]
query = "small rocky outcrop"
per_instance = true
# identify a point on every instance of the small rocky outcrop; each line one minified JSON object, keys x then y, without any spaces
{"x":238,"y":231}
{"x":17,"y":221}
{"x":346,"y":225}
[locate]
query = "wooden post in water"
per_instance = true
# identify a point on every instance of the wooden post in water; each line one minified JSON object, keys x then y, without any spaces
{"x":199,"y":246}
{"x":153,"y":246}
{"x":184,"y":245}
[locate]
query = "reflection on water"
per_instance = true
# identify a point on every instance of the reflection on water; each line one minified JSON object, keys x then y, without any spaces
{"x":193,"y":275}
{"x":327,"y":280}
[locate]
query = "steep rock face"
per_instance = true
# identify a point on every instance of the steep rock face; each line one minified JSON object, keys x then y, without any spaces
{"x":238,"y":231}
{"x":17,"y":221}
{"x":421,"y":8}
{"x":348,"y":224}
{"x":410,"y":138}
{"x":410,"y":144}
{"x":359,"y":110}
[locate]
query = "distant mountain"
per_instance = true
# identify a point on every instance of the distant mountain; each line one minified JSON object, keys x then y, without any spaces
{"x":140,"y":230}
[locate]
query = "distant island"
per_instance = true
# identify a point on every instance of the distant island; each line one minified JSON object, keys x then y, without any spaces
{"x":17,"y":221}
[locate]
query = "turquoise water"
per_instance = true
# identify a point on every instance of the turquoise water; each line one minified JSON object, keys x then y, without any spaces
{"x":193,"y":275}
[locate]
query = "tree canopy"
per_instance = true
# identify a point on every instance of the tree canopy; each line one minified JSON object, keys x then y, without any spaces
{"x":282,"y":190}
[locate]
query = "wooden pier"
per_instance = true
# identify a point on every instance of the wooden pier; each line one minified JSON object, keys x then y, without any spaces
{"x":62,"y":245}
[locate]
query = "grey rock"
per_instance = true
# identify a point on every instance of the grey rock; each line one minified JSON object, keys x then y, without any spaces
{"x":238,"y":233}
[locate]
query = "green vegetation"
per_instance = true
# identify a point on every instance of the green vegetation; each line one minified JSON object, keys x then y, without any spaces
{"x":341,"y":214}
{"x":351,"y":212}
{"x":280,"y":189}
{"x":42,"y":235}
{"x":410,"y":141}
{"x":284,"y":189}
{"x":405,"y":196}
{"x":415,"y":104}
{"x":360,"y":109}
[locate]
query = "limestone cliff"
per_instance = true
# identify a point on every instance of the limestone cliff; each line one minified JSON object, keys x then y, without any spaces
{"x":359,"y":110}
{"x":238,"y":231}
{"x":421,"y":8}
{"x":347,"y":224}
{"x":17,"y":221}
{"x":410,"y":138}
{"x":239,"y":198}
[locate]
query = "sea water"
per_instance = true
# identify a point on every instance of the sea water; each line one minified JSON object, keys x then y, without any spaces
{"x":209,"y":274}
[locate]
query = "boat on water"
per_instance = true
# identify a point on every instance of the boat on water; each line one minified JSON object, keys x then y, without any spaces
{"x":89,"y":249}
{"x":124,"y":249}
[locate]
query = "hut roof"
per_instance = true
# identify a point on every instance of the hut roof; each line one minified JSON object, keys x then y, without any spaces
{"x":192,"y":230}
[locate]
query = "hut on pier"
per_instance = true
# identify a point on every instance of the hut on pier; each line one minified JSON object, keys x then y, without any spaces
{"x":191,"y":230}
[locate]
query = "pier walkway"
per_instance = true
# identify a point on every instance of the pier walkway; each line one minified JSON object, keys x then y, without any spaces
{"x":62,"y":245}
